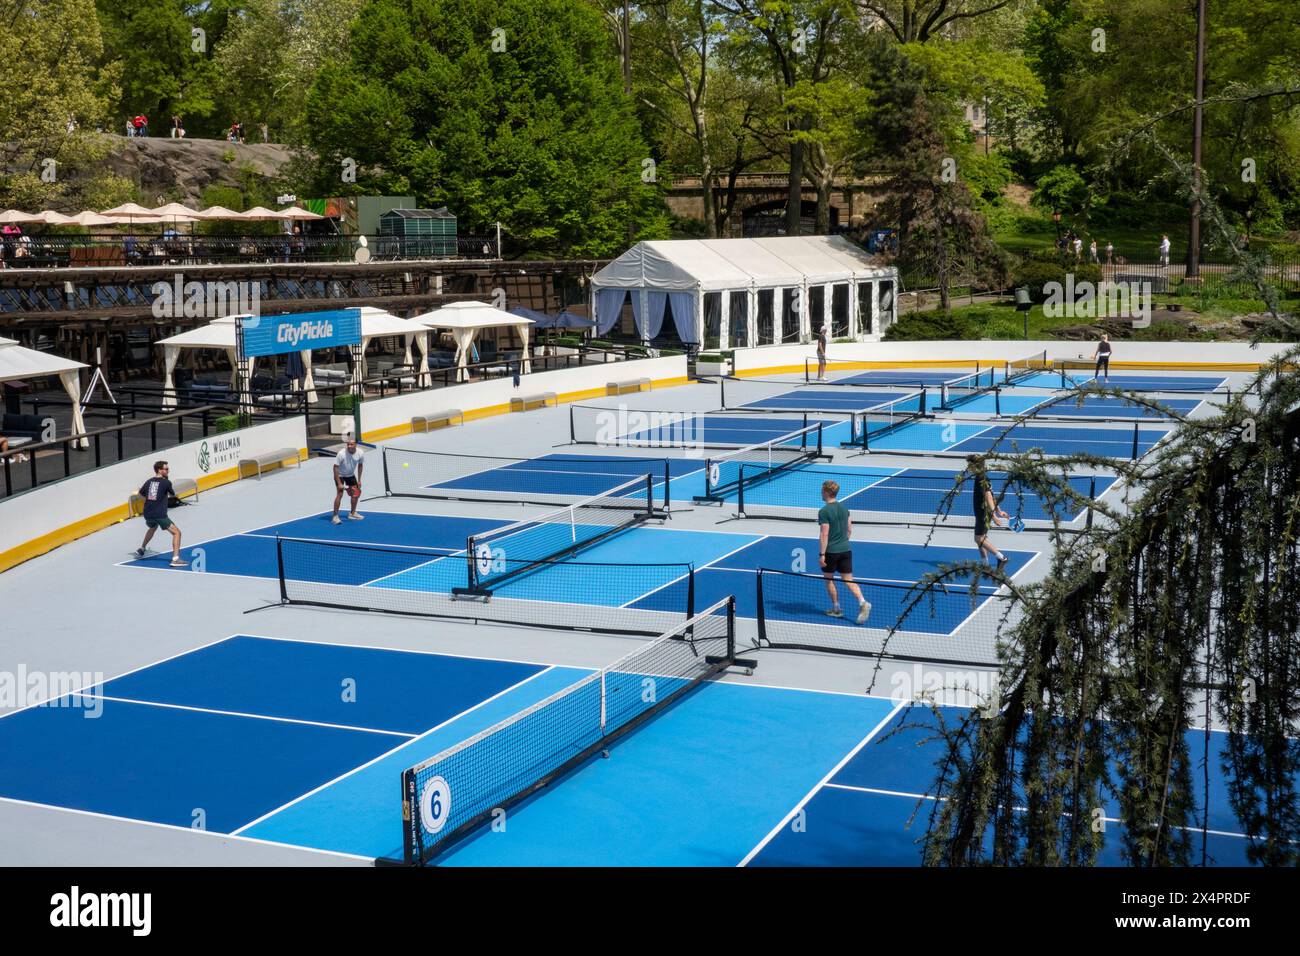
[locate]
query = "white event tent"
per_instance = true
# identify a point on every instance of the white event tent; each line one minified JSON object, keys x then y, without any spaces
{"x":725,"y":293}
{"x":17,"y":362}
{"x":465,"y":319}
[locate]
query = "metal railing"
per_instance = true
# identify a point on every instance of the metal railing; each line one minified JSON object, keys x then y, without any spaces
{"x":80,"y":251}
{"x":104,"y":446}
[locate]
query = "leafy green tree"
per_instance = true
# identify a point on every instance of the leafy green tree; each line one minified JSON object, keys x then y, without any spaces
{"x":507,"y":111}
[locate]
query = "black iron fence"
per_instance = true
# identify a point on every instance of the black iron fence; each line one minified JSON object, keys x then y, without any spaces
{"x":117,"y":249}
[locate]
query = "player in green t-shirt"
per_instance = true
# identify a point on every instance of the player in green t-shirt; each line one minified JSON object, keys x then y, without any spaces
{"x":835,"y":553}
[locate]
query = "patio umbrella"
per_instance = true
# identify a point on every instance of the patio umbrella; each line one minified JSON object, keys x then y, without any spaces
{"x":218,"y":212}
{"x":297,"y":212}
{"x":13,"y":215}
{"x":52,"y":218}
{"x":260,"y":213}
{"x":132,"y":212}
{"x":176,"y":210}
{"x":90,"y":219}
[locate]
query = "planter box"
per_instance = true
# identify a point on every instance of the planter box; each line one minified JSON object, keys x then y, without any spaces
{"x":713,"y":368}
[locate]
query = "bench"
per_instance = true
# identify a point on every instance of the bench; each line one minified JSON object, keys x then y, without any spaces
{"x":631,"y":385}
{"x":426,"y":423}
{"x":181,"y":487}
{"x":257,"y":463}
{"x":524,"y":403}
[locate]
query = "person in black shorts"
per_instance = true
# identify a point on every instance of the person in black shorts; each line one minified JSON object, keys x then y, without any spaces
{"x":986,"y":509}
{"x":1102,"y":358}
{"x":835,"y":554}
{"x":157,"y":492}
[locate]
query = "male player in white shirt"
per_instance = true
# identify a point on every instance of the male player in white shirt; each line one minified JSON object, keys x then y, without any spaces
{"x":348,"y":465}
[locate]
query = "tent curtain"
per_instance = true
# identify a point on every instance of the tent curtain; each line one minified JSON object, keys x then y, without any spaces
{"x":464,"y":342}
{"x":739,"y":319}
{"x":71,"y":381}
{"x":422,"y":345}
{"x":527,"y":360}
{"x":308,"y":379}
{"x":651,"y":324}
{"x":234,"y":368}
{"x":171,"y":353}
{"x":683,"y":304}
{"x":712,"y":320}
{"x":609,"y":303}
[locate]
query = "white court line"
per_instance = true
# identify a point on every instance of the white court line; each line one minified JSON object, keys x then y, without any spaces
{"x":398,"y":650}
{"x":134,"y":670}
{"x":173,"y":826}
{"x":703,"y":567}
{"x":236,"y":713}
{"x":932,"y":798}
{"x":449,"y":720}
{"x":821,"y":783}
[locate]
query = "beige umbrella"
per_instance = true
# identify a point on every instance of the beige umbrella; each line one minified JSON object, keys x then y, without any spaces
{"x":133,"y":212}
{"x":14,"y":216}
{"x":174,"y":210}
{"x":52,"y":218}
{"x":297,"y":212}
{"x":260,"y":212}
{"x":91,"y":219}
{"x":218,"y":212}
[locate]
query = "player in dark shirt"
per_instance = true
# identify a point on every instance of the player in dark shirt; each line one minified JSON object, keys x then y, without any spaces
{"x":157,"y":492}
{"x":1102,"y":358}
{"x":986,"y":509}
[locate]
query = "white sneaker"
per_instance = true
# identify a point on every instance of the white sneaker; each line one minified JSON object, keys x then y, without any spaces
{"x":356,"y":517}
{"x":834,"y":612}
{"x":335,"y":520}
{"x":864,"y":610}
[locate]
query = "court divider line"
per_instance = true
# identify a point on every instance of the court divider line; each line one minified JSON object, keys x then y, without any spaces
{"x":247,"y":716}
{"x":821,"y":783}
{"x":469,"y":710}
{"x":931,"y":797}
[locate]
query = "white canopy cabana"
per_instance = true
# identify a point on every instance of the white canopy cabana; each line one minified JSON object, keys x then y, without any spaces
{"x":218,"y":334}
{"x":17,"y":361}
{"x":465,"y":319}
{"x":377,"y":324}
{"x":725,"y":292}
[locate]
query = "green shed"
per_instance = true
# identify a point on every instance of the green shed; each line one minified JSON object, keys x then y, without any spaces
{"x":424,"y":232}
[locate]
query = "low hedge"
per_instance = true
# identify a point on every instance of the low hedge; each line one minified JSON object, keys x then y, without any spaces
{"x":230,"y":423}
{"x":344,"y":404}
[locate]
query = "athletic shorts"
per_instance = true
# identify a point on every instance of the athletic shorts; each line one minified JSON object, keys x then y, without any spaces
{"x":349,"y":481}
{"x":838,"y":562}
{"x":164,"y":523}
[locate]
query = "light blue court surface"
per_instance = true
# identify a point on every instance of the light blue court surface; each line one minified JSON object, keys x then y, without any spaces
{"x":1135,"y":383}
{"x":736,"y":430}
{"x":963,"y":437}
{"x":1108,"y":406}
{"x":304,"y":744}
{"x":907,"y":491}
{"x":897,"y":376}
{"x":814,"y":399}
{"x":724,"y":562}
{"x":572,"y":475}
{"x":862,"y":814}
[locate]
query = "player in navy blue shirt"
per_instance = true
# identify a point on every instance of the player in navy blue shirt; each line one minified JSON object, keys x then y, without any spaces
{"x":157,"y":492}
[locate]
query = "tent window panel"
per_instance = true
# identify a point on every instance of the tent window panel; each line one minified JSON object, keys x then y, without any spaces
{"x":668,"y":337}
{"x":816,"y":308}
{"x":885,"y":298}
{"x":790,"y":315}
{"x":712,"y":320}
{"x":766,"y":316}
{"x":866,"y":308}
{"x":739,"y":318}
{"x":839,"y":311}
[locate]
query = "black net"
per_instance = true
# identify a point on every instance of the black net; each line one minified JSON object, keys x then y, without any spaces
{"x":1023,"y":368}
{"x":496,"y":556}
{"x":556,"y":479}
{"x":447,"y":797}
{"x":906,"y":499}
{"x":947,"y":624}
{"x":964,"y":389}
{"x":723,"y":473}
{"x":573,"y":595}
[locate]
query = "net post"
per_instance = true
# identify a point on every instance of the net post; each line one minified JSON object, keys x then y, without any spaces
{"x":1135,"y":441}
{"x":470,"y":583}
{"x":806,"y":379}
{"x":279,"y":563}
{"x":412,"y":839}
{"x":1092,"y":498}
{"x":762,"y":617}
{"x":925,"y":400}
{"x":740,"y":494}
{"x":820,"y":448}
{"x":722,"y":391}
{"x":388,"y":487}
{"x":690,"y":592}
{"x":604,"y":712}
{"x":668,"y":476}
{"x":649,"y":494}
{"x":573,"y":431}
{"x":731,"y":629}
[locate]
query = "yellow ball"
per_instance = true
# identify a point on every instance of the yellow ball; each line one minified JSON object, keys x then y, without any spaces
{"x":406,"y":464}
